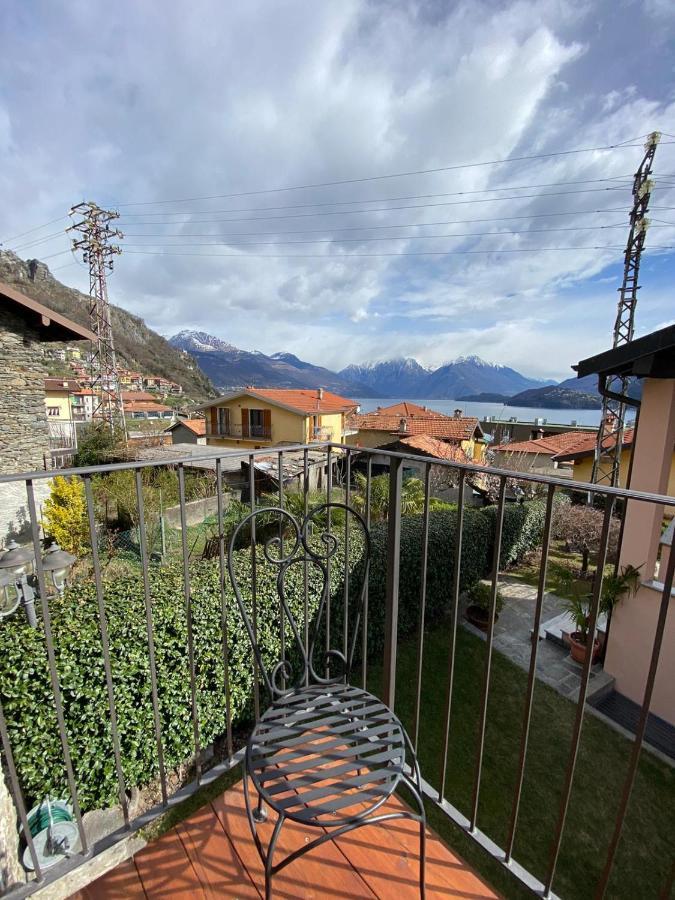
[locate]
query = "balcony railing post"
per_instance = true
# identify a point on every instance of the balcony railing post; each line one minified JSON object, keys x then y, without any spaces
{"x":393,"y":566}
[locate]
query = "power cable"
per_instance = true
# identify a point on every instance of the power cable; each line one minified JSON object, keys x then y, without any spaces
{"x":624,"y":145}
{"x":515,"y":187}
{"x":348,"y":256}
{"x":350,"y":212}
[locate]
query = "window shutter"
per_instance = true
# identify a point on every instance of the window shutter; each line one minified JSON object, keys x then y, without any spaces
{"x":214,"y":420}
{"x":267,"y":421}
{"x":244,"y":421}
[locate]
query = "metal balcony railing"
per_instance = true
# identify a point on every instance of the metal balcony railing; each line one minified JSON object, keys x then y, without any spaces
{"x":340,"y":459}
{"x":253,"y":432}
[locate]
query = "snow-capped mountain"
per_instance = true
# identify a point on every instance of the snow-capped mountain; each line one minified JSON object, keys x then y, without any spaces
{"x":199,"y":340}
{"x":229,"y":367}
{"x":392,"y":378}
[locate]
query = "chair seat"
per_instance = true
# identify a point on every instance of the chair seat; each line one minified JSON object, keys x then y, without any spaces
{"x":320,"y":752}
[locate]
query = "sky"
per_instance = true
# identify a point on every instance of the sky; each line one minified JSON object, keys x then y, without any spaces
{"x":204,"y":123}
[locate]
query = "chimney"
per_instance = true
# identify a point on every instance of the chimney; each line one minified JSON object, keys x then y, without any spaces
{"x":319,"y":394}
{"x":404,"y":424}
{"x":458,"y":413}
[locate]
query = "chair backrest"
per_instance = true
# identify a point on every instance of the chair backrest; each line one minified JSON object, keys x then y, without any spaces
{"x":314,"y":546}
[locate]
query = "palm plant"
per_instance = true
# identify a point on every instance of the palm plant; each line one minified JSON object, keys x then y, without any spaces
{"x":412,"y":496}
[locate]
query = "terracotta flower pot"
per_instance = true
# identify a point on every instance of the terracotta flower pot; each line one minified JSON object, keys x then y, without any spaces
{"x":479,"y":616}
{"x":578,"y":647}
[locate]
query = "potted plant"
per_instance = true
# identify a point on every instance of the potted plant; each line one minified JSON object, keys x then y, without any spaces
{"x":579,"y":608}
{"x":614,"y":588}
{"x":480,"y":599}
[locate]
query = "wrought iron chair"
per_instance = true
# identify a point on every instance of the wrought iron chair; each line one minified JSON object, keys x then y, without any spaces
{"x":325,"y":753}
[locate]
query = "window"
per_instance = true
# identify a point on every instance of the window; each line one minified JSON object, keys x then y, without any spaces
{"x":53,"y":410}
{"x":223,"y":420}
{"x":256,"y":422}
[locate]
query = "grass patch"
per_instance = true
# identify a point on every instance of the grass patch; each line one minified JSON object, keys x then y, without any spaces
{"x":644,"y":855}
{"x":559,"y":560}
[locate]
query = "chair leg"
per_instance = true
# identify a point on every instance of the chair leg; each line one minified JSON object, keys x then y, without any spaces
{"x":260,"y":813}
{"x":423,"y":856}
{"x":270,"y":857}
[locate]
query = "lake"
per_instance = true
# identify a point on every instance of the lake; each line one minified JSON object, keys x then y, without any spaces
{"x":499,"y":410}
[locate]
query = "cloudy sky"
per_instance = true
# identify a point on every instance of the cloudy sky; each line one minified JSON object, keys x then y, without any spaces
{"x":209,"y":125}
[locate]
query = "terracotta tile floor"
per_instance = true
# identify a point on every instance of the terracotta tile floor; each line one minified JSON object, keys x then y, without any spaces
{"x":211,"y":854}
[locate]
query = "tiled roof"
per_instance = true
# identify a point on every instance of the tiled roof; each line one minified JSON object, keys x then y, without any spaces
{"x":135,"y":396}
{"x":553,"y":443}
{"x":145,"y":406}
{"x":406,"y":408}
{"x":197,"y":426}
{"x":422,"y":443}
{"x":306,"y":401}
{"x":61,"y":384}
{"x":586,"y":446}
{"x":446,"y":427}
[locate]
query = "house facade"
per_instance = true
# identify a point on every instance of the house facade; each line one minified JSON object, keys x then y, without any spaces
{"x":188,"y":431}
{"x":581,"y":457}
{"x":59,"y":394}
{"x":400,"y":420}
{"x":646,"y":545}
{"x":260,"y":417}
{"x":25,"y":326}
{"x":539,"y":455}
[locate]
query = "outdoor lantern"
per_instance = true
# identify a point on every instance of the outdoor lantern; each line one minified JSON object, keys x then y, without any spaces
{"x":9,"y":594}
{"x":16,"y":565}
{"x":17,"y":560}
{"x":57,"y":563}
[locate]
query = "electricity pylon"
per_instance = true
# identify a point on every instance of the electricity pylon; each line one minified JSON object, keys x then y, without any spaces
{"x":98,"y":252}
{"x":607,"y":458}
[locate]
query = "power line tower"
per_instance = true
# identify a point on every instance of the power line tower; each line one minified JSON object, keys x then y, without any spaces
{"x":607,"y":459}
{"x":98,"y":251}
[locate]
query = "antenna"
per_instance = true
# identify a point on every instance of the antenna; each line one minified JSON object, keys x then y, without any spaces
{"x":607,"y":459}
{"x":98,"y":251}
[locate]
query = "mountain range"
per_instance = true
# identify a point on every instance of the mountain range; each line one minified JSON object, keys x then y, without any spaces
{"x":229,"y":367}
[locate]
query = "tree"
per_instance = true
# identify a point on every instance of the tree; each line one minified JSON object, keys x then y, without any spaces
{"x":580,"y":527}
{"x":514,"y":462}
{"x":412,"y":496}
{"x":65,"y":515}
{"x":96,"y":444}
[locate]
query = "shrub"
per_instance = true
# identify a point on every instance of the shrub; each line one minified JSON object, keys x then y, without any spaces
{"x":481,"y":595}
{"x":580,"y":527}
{"x":65,"y":515}
{"x":27,"y":693}
{"x":96,"y":444}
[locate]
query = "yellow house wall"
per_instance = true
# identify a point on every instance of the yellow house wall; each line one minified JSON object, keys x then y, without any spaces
{"x":61,"y":399}
{"x":287,"y":427}
{"x":583,"y":469}
{"x":332,"y":422}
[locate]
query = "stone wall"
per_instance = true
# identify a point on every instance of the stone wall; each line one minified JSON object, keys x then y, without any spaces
{"x":11,"y":871}
{"x":24,"y":437}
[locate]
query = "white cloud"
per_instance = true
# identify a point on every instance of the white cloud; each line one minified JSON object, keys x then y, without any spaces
{"x":244,"y":97}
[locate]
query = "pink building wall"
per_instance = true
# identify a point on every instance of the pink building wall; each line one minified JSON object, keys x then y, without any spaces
{"x":633,"y":625}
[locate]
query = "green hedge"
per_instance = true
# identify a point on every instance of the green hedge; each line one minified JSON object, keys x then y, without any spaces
{"x":24,"y":677}
{"x":521,"y":531}
{"x":27,"y":693}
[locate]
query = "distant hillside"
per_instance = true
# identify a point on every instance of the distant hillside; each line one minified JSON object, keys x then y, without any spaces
{"x":137,"y":346}
{"x":466,"y":375}
{"x":556,"y":397}
{"x":394,"y":378}
{"x":229,"y":368}
{"x":572,"y":393}
{"x":471,"y":374}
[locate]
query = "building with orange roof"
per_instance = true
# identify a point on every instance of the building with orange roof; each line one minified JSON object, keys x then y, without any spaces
{"x":258,"y":417}
{"x":379,"y":428}
{"x":543,"y":455}
{"x":188,"y":431}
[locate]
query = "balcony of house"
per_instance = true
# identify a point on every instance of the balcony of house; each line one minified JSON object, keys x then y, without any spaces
{"x":235,"y":431}
{"x":320,"y":433}
{"x":284,"y":699}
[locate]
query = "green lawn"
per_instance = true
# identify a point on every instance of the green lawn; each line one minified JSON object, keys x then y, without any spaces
{"x":645,"y":853}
